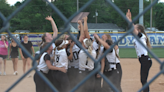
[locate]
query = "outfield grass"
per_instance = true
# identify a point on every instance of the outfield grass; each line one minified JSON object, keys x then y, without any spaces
{"x":131,"y":53}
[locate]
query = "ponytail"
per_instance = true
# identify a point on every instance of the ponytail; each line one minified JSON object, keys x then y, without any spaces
{"x":141,"y":28}
{"x":53,"y":58}
{"x":116,"y":53}
{"x":43,"y":40}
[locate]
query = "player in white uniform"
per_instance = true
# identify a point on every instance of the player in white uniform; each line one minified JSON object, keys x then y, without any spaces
{"x":86,"y":65}
{"x":47,"y":37}
{"x":111,"y":71}
{"x":60,"y":79}
{"x":73,"y":64}
{"x":44,"y":66}
{"x":142,"y":53}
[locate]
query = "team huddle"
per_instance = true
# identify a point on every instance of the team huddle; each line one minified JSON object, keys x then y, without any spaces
{"x":65,"y":64}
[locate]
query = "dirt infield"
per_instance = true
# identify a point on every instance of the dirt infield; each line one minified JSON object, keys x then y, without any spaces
{"x":130,"y":79}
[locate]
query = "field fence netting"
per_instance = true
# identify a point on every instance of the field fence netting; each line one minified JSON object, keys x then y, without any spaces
{"x":6,"y":26}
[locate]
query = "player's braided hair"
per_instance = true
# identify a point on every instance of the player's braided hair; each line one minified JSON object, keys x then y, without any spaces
{"x":57,"y":43}
{"x":88,"y":42}
{"x":99,"y":44}
{"x":141,"y":28}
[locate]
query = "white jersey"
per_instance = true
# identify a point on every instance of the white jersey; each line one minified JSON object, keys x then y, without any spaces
{"x":95,"y":45}
{"x":112,"y":58}
{"x":61,"y":59}
{"x":83,"y":64}
{"x":42,"y":64}
{"x":53,"y":45}
{"x":75,"y":60}
{"x":100,"y":52}
{"x":139,"y":48}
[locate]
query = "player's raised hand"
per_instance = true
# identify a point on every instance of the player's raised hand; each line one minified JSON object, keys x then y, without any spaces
{"x":79,"y":22}
{"x":85,"y":18}
{"x":129,"y":15}
{"x":49,"y":18}
{"x":96,"y":36}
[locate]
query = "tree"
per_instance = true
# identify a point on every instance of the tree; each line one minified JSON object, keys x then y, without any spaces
{"x":159,"y":16}
{"x":5,"y":9}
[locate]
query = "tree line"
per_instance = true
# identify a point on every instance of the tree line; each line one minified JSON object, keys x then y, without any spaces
{"x":32,"y":17}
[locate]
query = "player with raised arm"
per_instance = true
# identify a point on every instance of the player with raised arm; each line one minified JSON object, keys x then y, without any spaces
{"x":111,"y":72}
{"x":142,"y":53}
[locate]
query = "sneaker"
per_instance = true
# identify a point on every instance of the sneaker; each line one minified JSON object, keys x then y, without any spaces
{"x":16,"y":72}
{"x":4,"y":73}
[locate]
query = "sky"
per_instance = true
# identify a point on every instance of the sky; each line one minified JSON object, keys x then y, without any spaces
{"x":12,"y":2}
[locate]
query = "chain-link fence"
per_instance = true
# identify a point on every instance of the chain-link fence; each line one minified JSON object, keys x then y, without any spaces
{"x":6,"y":26}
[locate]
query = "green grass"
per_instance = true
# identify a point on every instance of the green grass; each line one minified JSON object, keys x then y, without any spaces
{"x":131,"y":53}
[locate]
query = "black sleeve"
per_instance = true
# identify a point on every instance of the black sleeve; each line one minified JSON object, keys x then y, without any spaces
{"x":21,"y":44}
{"x":78,"y":35}
{"x":68,"y":53}
{"x":30,"y":44}
{"x":109,"y":51}
{"x":40,"y":48}
{"x":46,"y":57}
{"x":139,"y":35}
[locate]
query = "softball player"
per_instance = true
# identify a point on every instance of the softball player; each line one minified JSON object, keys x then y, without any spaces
{"x":86,"y":65}
{"x":113,"y":62}
{"x":73,"y":64}
{"x":60,"y":79}
{"x":44,"y":66}
{"x":142,"y":53}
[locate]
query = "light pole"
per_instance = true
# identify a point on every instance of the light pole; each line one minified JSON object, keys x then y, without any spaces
{"x":77,"y":11}
{"x":151,"y":11}
{"x":140,"y":11}
{"x":96,"y":14}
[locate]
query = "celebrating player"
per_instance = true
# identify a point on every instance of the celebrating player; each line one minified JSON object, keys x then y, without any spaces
{"x":142,"y":53}
{"x":86,"y":65}
{"x":60,"y":79}
{"x":113,"y":63}
{"x":44,"y":66}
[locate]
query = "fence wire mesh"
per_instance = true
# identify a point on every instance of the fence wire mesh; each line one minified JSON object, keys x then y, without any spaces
{"x":6,"y":26}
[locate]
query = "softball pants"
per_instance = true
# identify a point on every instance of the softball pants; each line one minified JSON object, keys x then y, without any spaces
{"x":88,"y":86}
{"x":114,"y":76}
{"x":41,"y":86}
{"x":72,"y":75}
{"x":146,"y":63}
{"x":61,"y":81}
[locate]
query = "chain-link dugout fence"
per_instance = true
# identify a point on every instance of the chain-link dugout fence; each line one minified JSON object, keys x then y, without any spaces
{"x":6,"y":26}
